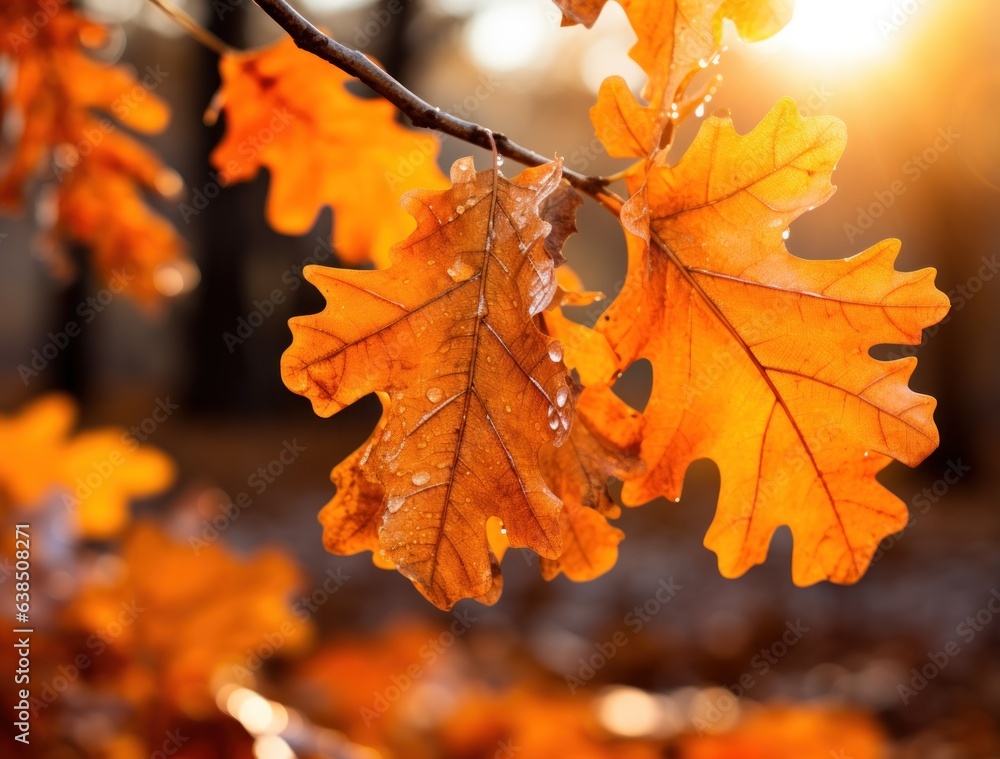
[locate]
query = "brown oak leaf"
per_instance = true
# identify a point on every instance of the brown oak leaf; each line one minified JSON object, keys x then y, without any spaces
{"x":475,"y":389}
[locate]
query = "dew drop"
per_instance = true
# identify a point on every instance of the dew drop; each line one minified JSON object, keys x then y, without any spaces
{"x":503,"y":530}
{"x":677,"y":499}
{"x":461,"y":271}
{"x":489,"y":359}
{"x":562,"y":395}
{"x":507,"y":409}
{"x":556,"y":352}
{"x":554,"y":422}
{"x":422,"y":444}
{"x":460,"y":210}
{"x":702,"y":63}
{"x":700,"y":110}
{"x":431,"y":262}
{"x":499,"y":160}
{"x":387,"y":434}
{"x":435,"y":394}
{"x":393,"y":504}
{"x":786,"y":234}
{"x":866,"y":454}
{"x":420,"y":478}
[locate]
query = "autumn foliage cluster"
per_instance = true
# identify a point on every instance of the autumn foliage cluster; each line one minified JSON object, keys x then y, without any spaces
{"x":501,"y":426}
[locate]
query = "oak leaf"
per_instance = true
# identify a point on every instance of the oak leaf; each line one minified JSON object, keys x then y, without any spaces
{"x":603,"y":443}
{"x":291,"y":113}
{"x":578,"y":472}
{"x":475,"y":389}
{"x":761,"y":359}
{"x":95,"y":474}
{"x":676,"y":38}
{"x":60,"y":94}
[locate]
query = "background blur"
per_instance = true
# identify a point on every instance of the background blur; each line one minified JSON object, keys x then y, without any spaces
{"x":918,"y":84}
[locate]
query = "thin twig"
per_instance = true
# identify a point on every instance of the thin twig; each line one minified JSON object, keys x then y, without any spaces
{"x":192,"y":27}
{"x":421,"y":113}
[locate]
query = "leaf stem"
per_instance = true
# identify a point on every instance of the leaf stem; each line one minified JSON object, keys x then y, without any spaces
{"x":192,"y":27}
{"x":307,"y":37}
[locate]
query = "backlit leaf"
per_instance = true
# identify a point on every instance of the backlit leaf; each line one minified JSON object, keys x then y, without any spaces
{"x":761,"y":359}
{"x":475,"y":389}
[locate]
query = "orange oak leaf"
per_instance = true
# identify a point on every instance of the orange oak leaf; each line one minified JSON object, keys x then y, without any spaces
{"x":60,"y":95}
{"x":290,"y":112}
{"x":352,"y":517}
{"x":180,"y":620}
{"x":603,"y":443}
{"x":578,"y":473}
{"x":476,"y":390}
{"x":676,"y":38}
{"x":761,"y":359}
{"x":95,"y":475}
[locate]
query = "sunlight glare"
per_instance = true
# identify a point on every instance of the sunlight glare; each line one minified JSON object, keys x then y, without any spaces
{"x":508,"y":35}
{"x":839,"y":29}
{"x":629,"y":712}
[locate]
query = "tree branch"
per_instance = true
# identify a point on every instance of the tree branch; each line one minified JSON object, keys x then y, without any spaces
{"x":421,"y":113}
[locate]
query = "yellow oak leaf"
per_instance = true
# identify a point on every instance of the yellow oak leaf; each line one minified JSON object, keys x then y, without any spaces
{"x":761,"y":359}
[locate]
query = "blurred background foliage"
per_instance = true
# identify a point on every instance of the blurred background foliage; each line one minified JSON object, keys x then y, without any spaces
{"x":918,"y":84}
